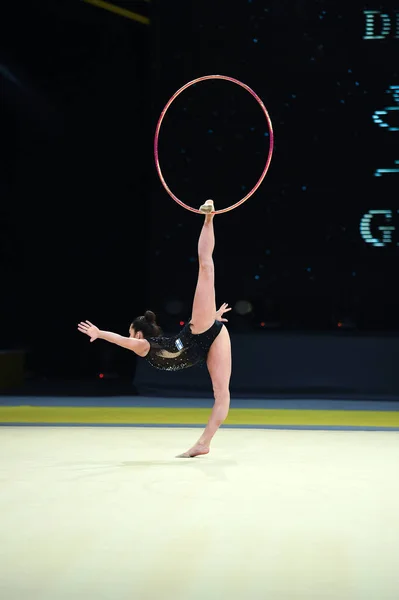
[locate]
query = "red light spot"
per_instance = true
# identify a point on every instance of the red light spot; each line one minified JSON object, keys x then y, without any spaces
{"x":262,"y":324}
{"x":101,"y":376}
{"x":340,"y":324}
{"x":182,"y":323}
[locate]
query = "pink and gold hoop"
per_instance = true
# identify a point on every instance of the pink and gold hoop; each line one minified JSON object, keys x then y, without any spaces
{"x":271,"y":142}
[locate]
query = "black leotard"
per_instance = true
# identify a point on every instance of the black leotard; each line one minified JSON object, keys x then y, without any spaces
{"x":181,"y":351}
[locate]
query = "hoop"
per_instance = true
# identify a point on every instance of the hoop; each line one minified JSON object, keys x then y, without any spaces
{"x":156,"y":140}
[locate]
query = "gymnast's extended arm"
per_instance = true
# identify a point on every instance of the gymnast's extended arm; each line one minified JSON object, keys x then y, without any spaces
{"x":138,"y":346}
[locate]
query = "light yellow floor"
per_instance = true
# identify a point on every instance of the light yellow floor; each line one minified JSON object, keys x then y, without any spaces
{"x":110,"y":514}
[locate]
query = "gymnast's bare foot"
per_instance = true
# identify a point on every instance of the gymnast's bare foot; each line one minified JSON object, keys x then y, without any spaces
{"x":197,"y":450}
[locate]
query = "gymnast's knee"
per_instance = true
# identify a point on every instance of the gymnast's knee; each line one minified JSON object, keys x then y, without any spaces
{"x":222,"y":401}
{"x":206,"y":265}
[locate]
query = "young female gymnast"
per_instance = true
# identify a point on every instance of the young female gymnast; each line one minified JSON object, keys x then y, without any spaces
{"x":204,"y":338}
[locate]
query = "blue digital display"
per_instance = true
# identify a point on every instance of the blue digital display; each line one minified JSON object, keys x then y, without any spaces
{"x":381,"y":25}
{"x":376,"y":226}
{"x":386,"y":120}
{"x":382,"y":117}
{"x":377,"y":229}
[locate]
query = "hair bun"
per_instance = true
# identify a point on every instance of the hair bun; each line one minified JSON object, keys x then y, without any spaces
{"x":149,"y":316}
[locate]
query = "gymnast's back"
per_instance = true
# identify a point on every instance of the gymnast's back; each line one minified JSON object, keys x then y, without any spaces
{"x":181,"y":351}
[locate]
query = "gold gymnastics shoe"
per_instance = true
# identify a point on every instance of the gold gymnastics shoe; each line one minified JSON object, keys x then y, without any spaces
{"x":207,"y":208}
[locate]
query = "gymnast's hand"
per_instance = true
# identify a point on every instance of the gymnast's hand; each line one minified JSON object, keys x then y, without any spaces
{"x":223,"y":309}
{"x":89,"y":329}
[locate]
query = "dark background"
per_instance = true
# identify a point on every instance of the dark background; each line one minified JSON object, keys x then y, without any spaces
{"x":88,"y":232}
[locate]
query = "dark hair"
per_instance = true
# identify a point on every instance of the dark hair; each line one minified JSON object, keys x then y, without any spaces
{"x":147,"y":325}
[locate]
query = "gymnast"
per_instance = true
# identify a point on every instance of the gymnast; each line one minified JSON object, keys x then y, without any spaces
{"x":203,"y":339}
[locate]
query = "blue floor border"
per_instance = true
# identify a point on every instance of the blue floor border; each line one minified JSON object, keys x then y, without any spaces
{"x":196,"y":426}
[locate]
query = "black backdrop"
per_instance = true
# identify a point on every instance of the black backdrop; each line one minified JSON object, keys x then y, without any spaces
{"x":77,"y":135}
{"x":88,"y":232}
{"x":295,"y":250}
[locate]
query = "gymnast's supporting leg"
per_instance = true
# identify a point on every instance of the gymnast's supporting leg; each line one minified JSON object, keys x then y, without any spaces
{"x":219,"y":367}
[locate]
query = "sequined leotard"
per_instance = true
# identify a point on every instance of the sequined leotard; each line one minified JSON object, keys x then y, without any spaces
{"x":181,"y":351}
